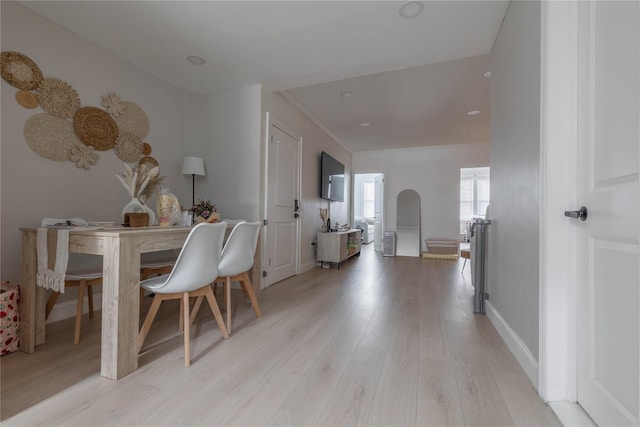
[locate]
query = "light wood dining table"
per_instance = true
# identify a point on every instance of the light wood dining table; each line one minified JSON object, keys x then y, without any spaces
{"x":120,"y":249}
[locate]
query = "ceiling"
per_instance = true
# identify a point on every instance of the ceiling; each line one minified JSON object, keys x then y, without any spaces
{"x":412,"y":79}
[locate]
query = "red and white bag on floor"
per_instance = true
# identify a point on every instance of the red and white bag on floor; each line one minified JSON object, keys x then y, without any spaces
{"x":9,"y":318}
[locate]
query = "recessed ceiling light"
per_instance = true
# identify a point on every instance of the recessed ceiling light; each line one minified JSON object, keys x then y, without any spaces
{"x":473,"y":113}
{"x":410,"y":9}
{"x":487,"y":74}
{"x":196,"y":60}
{"x":365,"y":124}
{"x":345,"y":94}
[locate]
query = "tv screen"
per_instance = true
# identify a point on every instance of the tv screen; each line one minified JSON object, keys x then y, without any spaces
{"x":331,"y":178}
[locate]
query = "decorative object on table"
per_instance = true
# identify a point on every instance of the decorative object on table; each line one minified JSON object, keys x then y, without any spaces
{"x":27,"y":99}
{"x":133,"y":119}
{"x":324,"y":215}
{"x":128,"y":147}
{"x":136,"y":219}
{"x":19,"y":70}
{"x":204,"y":211}
{"x":50,"y":137}
{"x":95,"y":127}
{"x":83,"y":156}
{"x":58,"y":98}
{"x":193,"y":166}
{"x":113,"y":104}
{"x":9,"y":317}
{"x":140,"y":183}
{"x":169,"y":212}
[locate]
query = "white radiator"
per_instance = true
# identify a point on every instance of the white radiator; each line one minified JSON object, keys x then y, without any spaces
{"x":389,"y":243}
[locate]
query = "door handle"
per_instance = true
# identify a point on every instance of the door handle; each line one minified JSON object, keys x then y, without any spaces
{"x":580,"y":214}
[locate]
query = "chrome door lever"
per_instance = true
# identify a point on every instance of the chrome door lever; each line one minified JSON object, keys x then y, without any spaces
{"x":580,"y":214}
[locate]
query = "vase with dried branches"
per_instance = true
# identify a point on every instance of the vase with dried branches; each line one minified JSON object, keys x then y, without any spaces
{"x":140,"y":182}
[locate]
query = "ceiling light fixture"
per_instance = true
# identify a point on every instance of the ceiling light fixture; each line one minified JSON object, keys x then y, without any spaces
{"x":345,"y":94}
{"x":487,"y":74}
{"x":196,"y":60}
{"x":410,"y":9}
{"x":473,"y":113}
{"x":365,"y":124}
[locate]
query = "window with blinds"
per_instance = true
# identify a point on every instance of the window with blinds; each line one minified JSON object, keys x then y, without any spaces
{"x":474,"y":194}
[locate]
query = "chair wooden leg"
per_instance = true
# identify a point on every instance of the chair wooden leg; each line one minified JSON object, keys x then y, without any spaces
{"x":247,"y":287}
{"x":51,"y":302}
{"x":187,"y":336}
{"x":196,"y":309}
{"x":216,"y":312}
{"x":76,"y":335}
{"x":153,"y":310}
{"x":227,"y":301}
{"x":90,"y":298}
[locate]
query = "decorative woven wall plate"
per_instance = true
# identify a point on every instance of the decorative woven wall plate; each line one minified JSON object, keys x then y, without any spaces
{"x":133,"y":119}
{"x":58,"y":98}
{"x":19,"y":70}
{"x":146,"y":149}
{"x":27,"y":99}
{"x":95,"y":127}
{"x":50,"y":137}
{"x":148,"y":161}
{"x":128,"y":147}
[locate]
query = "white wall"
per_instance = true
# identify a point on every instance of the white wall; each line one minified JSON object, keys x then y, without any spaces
{"x":34,"y":187}
{"x":434,"y":173}
{"x":314,"y":141}
{"x":229,"y":142}
{"x":515,"y":180}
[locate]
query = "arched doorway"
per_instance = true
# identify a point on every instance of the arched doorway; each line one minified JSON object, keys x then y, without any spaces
{"x":408,"y":224}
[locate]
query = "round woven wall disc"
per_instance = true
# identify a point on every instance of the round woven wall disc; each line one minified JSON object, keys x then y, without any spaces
{"x":58,"y":98}
{"x":146,"y":149}
{"x":134,"y":119}
{"x":128,"y":147}
{"x":50,"y":137}
{"x":95,"y":127}
{"x":148,"y":161}
{"x":27,"y":99}
{"x":19,"y":70}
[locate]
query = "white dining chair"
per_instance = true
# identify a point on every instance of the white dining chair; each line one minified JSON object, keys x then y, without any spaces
{"x":191,"y":276}
{"x":235,"y":262}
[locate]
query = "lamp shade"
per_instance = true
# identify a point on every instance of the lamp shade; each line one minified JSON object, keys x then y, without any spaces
{"x":193,"y":166}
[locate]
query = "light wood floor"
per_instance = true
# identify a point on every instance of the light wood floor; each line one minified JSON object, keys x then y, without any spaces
{"x":382,"y":341}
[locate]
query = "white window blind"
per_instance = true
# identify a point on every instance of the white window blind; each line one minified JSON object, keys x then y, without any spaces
{"x":474,"y":193}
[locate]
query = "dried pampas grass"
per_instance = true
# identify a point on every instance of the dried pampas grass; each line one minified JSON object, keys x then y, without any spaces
{"x":142,"y":181}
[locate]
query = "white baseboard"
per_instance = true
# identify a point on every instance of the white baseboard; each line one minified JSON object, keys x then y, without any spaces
{"x":571,"y":414}
{"x":520,"y":351}
{"x":307,"y":266}
{"x":67,"y":309}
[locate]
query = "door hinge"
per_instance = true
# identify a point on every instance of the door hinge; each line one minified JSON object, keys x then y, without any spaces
{"x":264,"y":273}
{"x":265,"y":222}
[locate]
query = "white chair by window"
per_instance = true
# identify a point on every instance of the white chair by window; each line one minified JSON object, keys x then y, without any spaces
{"x":191,"y":276}
{"x":235,"y":262}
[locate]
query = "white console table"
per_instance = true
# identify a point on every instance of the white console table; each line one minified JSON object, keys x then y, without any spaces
{"x":338,"y":246}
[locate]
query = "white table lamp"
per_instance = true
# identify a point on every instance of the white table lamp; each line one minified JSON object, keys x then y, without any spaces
{"x":193,"y":166}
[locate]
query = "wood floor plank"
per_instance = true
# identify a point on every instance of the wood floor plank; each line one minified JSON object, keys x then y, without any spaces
{"x":387,"y":341}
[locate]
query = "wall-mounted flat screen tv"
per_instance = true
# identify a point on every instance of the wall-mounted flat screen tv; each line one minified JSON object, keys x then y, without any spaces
{"x":331,"y":178}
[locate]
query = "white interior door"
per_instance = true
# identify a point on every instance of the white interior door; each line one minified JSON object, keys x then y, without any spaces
{"x":379,"y":213}
{"x":283,"y":189}
{"x":608,"y":261}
